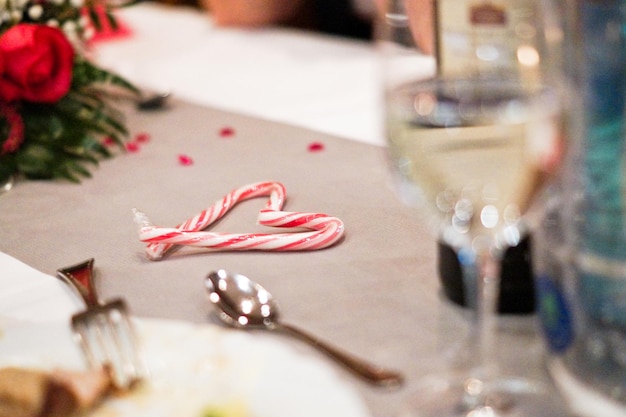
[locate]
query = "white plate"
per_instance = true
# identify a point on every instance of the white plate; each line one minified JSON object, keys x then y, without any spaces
{"x":199,"y":367}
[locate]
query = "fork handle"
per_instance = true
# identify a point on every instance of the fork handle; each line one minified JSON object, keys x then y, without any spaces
{"x":80,"y":277}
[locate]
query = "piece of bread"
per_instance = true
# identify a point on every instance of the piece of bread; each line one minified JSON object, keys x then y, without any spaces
{"x":60,"y":393}
{"x":23,"y":393}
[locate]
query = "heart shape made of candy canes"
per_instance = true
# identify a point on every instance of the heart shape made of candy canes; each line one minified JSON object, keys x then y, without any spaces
{"x":320,"y":231}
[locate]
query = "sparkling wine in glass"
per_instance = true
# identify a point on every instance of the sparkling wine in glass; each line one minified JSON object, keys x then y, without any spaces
{"x":474,"y":151}
{"x":473,"y":124}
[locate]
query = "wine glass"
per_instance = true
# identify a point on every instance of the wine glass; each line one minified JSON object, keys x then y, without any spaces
{"x":473,"y":110}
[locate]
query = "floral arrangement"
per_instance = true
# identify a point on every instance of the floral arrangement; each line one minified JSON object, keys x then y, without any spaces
{"x":56,"y":113}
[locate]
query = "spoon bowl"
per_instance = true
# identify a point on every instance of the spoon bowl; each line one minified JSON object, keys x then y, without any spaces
{"x":243,"y":303}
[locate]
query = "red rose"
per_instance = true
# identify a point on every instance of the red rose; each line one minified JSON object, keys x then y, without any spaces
{"x":37,"y":64}
{"x":8,"y":91}
{"x":15,"y":129}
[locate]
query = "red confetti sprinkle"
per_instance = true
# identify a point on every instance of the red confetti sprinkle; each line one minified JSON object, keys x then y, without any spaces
{"x":185,"y":160}
{"x":316,"y":147}
{"x":142,"y":137}
{"x":227,"y":132}
{"x":132,"y":147}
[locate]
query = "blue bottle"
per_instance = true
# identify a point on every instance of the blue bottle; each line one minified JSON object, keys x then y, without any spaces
{"x":581,"y":276}
{"x":603,"y":230}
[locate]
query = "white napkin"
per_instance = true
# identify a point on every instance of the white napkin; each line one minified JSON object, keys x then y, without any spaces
{"x":28,"y":295}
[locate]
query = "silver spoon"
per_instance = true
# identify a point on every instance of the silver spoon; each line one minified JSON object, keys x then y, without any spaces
{"x":243,"y":303}
{"x":152,"y":101}
{"x":143,"y":99}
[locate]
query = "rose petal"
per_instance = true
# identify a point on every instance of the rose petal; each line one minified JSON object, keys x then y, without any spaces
{"x":185,"y":160}
{"x":108,"y":141}
{"x":227,"y":131}
{"x":16,"y":130}
{"x":132,"y":147}
{"x":142,"y":137}
{"x":316,"y":147}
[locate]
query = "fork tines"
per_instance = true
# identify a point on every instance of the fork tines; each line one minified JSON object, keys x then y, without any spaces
{"x":108,"y":340}
{"x":104,"y":330}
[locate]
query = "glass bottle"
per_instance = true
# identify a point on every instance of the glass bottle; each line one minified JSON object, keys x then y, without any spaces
{"x":581,"y":251}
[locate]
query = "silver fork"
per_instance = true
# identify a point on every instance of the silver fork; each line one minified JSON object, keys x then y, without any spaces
{"x":104,"y":330}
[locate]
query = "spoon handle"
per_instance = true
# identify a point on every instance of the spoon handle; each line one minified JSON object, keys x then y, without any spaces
{"x":371,"y":373}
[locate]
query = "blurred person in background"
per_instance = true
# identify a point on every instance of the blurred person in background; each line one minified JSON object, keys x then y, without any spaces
{"x":350,"y":18}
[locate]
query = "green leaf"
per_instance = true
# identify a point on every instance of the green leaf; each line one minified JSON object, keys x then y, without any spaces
{"x":87,"y":74}
{"x":8,"y":167}
{"x":94,"y":116}
{"x":74,"y":170}
{"x":111,"y":19}
{"x":95,"y":18}
{"x":36,"y":161}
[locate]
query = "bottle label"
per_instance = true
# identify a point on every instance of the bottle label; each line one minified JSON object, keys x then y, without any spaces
{"x":555,"y":315}
{"x":482,"y":36}
{"x":488,"y":14}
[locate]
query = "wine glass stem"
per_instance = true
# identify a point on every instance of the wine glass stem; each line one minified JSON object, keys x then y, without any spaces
{"x":481,"y":278}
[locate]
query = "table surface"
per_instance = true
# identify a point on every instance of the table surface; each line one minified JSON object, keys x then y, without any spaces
{"x":375,"y":293}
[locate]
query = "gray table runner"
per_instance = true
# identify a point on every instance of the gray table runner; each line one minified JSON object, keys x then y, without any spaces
{"x":375,"y":293}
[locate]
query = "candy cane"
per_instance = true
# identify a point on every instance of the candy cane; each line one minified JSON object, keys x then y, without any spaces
{"x":321,"y":230}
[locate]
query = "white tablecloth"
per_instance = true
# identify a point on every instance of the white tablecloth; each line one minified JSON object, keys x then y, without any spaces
{"x":324,"y":83}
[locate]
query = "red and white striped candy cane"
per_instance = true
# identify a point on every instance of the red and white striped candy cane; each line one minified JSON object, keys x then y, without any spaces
{"x":322,"y":230}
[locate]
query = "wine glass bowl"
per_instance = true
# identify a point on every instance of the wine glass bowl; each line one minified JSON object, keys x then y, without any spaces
{"x":475,"y":151}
